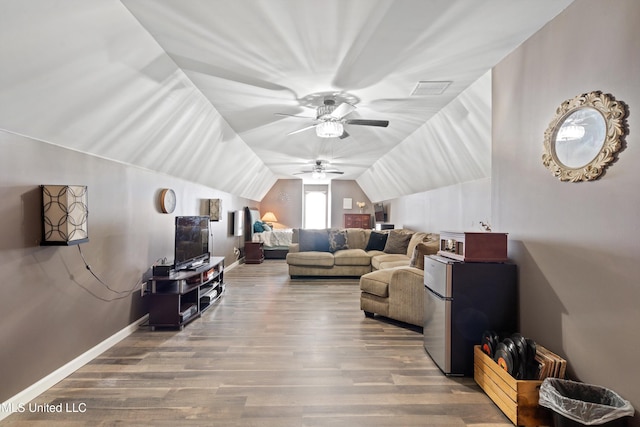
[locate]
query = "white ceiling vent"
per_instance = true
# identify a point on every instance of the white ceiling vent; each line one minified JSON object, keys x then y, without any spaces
{"x":430,"y":88}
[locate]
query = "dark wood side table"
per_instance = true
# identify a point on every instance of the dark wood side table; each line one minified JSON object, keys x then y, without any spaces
{"x":253,"y":253}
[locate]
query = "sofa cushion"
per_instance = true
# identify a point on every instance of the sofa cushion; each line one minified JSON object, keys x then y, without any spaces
{"x":376,"y":241}
{"x":376,"y":283}
{"x":392,"y":264}
{"x":351,"y":257}
{"x":375,"y":253}
{"x":397,"y":242}
{"x":314,"y":240}
{"x":378,"y":262}
{"x":310,"y":258}
{"x":416,"y":238}
{"x":419,"y":252}
{"x":421,"y":237}
{"x":357,"y":238}
{"x":337,"y":240}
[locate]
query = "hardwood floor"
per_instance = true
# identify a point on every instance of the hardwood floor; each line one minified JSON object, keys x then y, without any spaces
{"x":273,"y":352}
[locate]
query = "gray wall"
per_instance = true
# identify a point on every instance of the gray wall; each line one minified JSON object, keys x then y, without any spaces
{"x":456,"y":207}
{"x":284,"y":199}
{"x":341,"y":189}
{"x":50,"y":313}
{"x":577,"y":245}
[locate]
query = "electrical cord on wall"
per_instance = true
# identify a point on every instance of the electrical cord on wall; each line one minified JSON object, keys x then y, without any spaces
{"x":122,"y":294}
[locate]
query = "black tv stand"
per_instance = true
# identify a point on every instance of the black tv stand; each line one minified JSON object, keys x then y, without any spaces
{"x":183,"y":296}
{"x":196,"y":266}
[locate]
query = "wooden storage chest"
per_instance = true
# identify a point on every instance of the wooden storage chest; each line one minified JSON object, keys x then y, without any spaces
{"x":357,"y":221}
{"x":518,"y":399}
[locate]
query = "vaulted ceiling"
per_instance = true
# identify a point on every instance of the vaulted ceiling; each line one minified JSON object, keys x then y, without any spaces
{"x":192,"y":87}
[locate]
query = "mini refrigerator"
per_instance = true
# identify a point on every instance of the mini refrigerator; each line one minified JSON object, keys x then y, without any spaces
{"x":462,"y":300}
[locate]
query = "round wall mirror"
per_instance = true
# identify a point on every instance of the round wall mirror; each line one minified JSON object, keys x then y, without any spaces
{"x":584,"y":136}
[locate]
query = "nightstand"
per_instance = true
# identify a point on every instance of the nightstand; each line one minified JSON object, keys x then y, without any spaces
{"x":253,"y":253}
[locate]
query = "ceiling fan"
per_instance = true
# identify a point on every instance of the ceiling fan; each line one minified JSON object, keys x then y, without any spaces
{"x":320,"y":170}
{"x":330,"y":120}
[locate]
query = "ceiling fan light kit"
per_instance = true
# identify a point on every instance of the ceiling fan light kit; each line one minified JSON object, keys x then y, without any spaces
{"x":329,"y":129}
{"x":330,"y":120}
{"x":320,"y":171}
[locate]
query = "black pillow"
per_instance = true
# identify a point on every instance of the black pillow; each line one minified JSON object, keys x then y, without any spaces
{"x":376,"y":241}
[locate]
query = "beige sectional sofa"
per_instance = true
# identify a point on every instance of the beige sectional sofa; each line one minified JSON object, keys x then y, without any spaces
{"x":390,"y":271}
{"x":312,"y":254}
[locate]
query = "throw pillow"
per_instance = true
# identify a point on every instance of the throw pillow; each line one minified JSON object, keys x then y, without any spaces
{"x":337,"y":240}
{"x":422,"y":249}
{"x":313,"y":240}
{"x":266,"y":227}
{"x":257,"y":227}
{"x":376,"y":241}
{"x":397,"y":242}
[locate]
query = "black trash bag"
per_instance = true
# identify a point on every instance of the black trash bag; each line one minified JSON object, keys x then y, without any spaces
{"x":584,"y":403}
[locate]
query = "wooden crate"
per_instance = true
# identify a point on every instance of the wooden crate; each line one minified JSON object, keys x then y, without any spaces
{"x":518,"y":399}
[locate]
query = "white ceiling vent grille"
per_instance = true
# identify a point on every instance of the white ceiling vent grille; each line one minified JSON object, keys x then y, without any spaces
{"x":430,"y":88}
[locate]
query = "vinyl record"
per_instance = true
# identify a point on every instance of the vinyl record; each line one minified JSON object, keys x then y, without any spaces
{"x":531,"y":349}
{"x":487,"y":348}
{"x":521,"y":348}
{"x":503,"y":358}
{"x":531,"y":370}
{"x":513,"y":352}
{"x":489,"y":342}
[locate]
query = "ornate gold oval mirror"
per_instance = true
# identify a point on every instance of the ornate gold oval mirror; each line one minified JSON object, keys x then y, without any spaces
{"x":584,"y":136}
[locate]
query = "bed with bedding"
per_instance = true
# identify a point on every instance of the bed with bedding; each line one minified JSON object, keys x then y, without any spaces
{"x":275,"y":242}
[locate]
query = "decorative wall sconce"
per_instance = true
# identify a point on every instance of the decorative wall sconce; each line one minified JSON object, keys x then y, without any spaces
{"x":64,"y":215}
{"x":215,"y":209}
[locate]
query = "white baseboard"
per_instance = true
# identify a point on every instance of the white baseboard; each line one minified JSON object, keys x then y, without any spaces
{"x":233,"y":264}
{"x":35,"y":390}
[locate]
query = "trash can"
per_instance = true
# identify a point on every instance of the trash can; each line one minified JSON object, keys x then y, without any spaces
{"x":579,"y":404}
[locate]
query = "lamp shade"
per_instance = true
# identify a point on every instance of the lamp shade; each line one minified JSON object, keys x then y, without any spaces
{"x":64,"y":215}
{"x":269,"y":217}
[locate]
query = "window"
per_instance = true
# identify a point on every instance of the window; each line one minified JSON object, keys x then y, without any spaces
{"x":315,"y":207}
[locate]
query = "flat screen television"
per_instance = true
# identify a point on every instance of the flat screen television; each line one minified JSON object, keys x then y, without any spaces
{"x":192,"y":242}
{"x":380,"y":214}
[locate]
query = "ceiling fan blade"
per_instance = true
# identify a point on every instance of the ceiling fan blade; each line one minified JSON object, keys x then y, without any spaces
{"x":336,"y":172}
{"x":342,"y":110}
{"x":344,"y":135}
{"x":301,"y":130}
{"x":363,"y":122}
{"x":293,"y":115}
